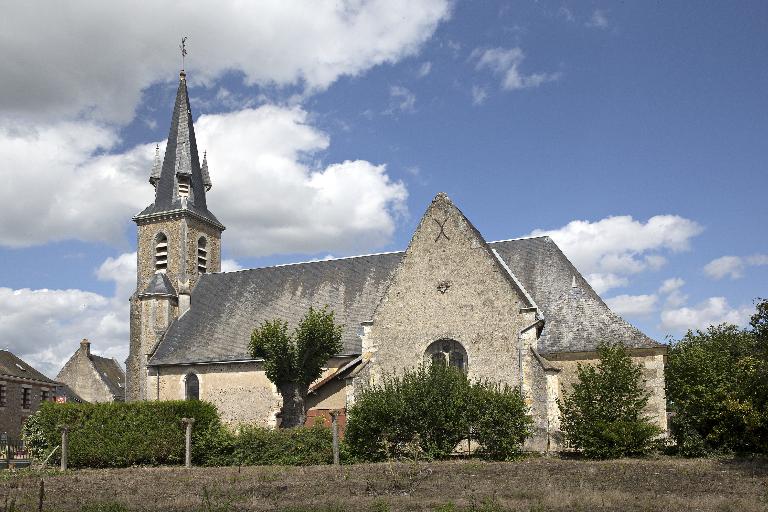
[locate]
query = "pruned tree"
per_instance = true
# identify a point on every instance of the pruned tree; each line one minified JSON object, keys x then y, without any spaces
{"x":293,"y":361}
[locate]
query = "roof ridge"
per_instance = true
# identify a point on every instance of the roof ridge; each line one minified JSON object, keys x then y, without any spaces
{"x":310,"y":261}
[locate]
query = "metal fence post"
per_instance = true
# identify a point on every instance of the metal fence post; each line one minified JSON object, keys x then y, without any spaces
{"x":188,"y":456}
{"x":5,"y":440}
{"x":64,"y":446}
{"x":335,"y":430}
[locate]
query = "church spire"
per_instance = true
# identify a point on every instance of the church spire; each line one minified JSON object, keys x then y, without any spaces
{"x":206,"y":175}
{"x":181,"y":182}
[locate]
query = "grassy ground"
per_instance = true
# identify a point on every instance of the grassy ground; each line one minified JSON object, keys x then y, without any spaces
{"x":535,"y":484}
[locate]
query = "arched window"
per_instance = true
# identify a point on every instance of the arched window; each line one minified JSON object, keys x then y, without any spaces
{"x":191,"y":387}
{"x":446,"y":351}
{"x":202,"y":255}
{"x":161,"y":252}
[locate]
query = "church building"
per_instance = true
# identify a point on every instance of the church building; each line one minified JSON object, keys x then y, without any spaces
{"x":512,"y":311}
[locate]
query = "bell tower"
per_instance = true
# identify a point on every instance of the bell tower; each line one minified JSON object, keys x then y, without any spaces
{"x":179,"y":240}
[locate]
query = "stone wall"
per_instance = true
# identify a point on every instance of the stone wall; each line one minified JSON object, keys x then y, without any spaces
{"x":81,"y":376}
{"x":449,"y":285}
{"x":12,"y":414}
{"x":652,"y":361}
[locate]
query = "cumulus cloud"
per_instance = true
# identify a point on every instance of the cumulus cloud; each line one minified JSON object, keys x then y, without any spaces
{"x":230,"y":265}
{"x":672,"y":290}
{"x":712,"y":311}
{"x":268,"y":187}
{"x":48,"y":72}
{"x":633,"y":304}
{"x":506,"y":62}
{"x":44,"y":326}
{"x":733,"y":266}
{"x":611,"y":249}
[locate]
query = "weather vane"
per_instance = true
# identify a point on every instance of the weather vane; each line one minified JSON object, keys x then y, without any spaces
{"x":183,"y":48}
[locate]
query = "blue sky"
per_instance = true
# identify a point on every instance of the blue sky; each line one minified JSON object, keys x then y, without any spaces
{"x":632,"y":133}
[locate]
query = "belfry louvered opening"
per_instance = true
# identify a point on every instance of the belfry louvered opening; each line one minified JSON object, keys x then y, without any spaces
{"x":183,"y":186}
{"x":202,"y":255}
{"x":161,"y":253}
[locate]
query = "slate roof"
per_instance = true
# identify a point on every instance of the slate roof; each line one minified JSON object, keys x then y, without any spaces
{"x":13,"y":366}
{"x":181,"y":158}
{"x":226,"y":307}
{"x":112,"y":375}
{"x":159,"y":285}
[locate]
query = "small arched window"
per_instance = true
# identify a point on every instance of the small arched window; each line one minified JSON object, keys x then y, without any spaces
{"x":447,"y":351}
{"x":191,"y":387}
{"x":202,"y":255}
{"x":161,"y":252}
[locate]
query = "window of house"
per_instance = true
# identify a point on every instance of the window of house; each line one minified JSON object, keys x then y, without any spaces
{"x":3,"y":395}
{"x":26,"y":398}
{"x":192,"y":387}
{"x":45,"y":396}
{"x":202,"y":255}
{"x":161,"y":252}
{"x":447,"y":351}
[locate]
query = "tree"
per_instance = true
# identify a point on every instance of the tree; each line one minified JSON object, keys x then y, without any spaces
{"x":603,"y":415}
{"x":293,"y":361}
{"x":717,"y":387}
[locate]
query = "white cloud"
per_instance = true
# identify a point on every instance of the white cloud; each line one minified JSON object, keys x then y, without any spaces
{"x":44,"y":326}
{"x":48,"y":71}
{"x":609,"y":250}
{"x":599,"y":19}
{"x":424,"y":69}
{"x":479,"y":95}
{"x":712,"y":311}
{"x":719,"y":268}
{"x":401,"y":99}
{"x":273,"y":201}
{"x":633,"y":304}
{"x":266,"y":190}
{"x":733,"y":266}
{"x":672,"y":289}
{"x":230,"y":265}
{"x":506,"y":62}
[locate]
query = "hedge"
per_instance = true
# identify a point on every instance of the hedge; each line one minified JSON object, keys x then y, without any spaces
{"x":120,"y":434}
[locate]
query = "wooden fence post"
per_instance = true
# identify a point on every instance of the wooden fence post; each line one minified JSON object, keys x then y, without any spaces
{"x":64,"y":446}
{"x":188,"y":456}
{"x":335,"y":430}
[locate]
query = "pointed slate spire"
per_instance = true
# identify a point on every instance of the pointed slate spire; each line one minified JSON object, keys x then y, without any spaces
{"x":179,"y":182}
{"x":157,"y":166}
{"x":206,"y":175}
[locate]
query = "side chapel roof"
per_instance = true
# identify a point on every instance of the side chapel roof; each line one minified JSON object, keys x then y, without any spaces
{"x":228,"y":306}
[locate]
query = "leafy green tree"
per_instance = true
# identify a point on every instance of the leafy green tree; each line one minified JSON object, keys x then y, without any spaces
{"x":429,"y":410}
{"x":293,"y":361}
{"x":603,"y":414}
{"x":717,"y":387}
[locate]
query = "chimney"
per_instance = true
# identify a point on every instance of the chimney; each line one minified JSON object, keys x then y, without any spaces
{"x":86,"y":345}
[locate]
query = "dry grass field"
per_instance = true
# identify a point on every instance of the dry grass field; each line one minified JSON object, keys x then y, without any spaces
{"x":535,"y":484}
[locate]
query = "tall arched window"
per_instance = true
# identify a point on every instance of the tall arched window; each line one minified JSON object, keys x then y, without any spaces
{"x":161,"y":252}
{"x":446,"y":351}
{"x":191,"y":387}
{"x":202,"y":255}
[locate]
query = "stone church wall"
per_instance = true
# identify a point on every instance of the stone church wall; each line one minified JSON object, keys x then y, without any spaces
{"x":652,"y":361}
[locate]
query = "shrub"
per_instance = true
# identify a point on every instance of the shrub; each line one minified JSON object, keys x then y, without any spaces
{"x":119,"y":434}
{"x":603,"y":414}
{"x":428,"y":411}
{"x":252,"y":445}
{"x":717,"y":387}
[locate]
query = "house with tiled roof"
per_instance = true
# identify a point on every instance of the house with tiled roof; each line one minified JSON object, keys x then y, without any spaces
{"x":22,"y":390}
{"x":514,"y":311}
{"x":92,"y":378}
